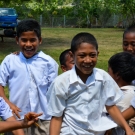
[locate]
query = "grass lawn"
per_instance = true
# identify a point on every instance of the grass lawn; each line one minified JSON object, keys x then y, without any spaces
{"x":55,"y":40}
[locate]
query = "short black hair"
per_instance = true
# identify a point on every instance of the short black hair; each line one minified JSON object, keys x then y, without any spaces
{"x":83,"y":37}
{"x":62,"y":57}
{"x":28,"y":25}
{"x":123,"y":63}
{"x":129,"y":29}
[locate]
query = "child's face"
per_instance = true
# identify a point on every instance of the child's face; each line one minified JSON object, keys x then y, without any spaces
{"x":68,"y":64}
{"x":129,"y":42}
{"x":85,"y":58}
{"x":29,"y":43}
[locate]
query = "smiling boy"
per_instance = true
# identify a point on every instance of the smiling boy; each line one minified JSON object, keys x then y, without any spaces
{"x":28,"y":76}
{"x":80,"y":94}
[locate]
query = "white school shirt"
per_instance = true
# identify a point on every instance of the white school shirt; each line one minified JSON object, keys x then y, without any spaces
{"x":123,"y":104}
{"x":133,"y":102}
{"x":5,"y":111}
{"x":129,"y":93}
{"x":82,"y":104}
{"x":28,"y":81}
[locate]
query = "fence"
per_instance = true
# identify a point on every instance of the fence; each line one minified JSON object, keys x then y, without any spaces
{"x":112,"y":21}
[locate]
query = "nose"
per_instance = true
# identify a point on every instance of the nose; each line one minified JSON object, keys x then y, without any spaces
{"x":28,"y":43}
{"x":88,"y":59}
{"x":129,"y":48}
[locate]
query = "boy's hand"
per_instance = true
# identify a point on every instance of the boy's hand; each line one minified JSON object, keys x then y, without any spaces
{"x":15,"y":109}
{"x":16,"y":53}
{"x":30,"y":118}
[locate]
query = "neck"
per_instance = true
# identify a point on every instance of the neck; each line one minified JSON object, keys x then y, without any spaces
{"x":83,"y":76}
{"x":123,"y":83}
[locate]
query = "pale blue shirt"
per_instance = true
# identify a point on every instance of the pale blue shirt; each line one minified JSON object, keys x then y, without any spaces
{"x":5,"y":111}
{"x":28,"y":81}
{"x":83,"y":104}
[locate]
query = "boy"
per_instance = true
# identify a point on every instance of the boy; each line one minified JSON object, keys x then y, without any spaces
{"x":80,"y":94}
{"x":129,"y":46}
{"x":66,"y":60}
{"x":129,"y":39}
{"x":28,"y":76}
{"x":121,"y":67}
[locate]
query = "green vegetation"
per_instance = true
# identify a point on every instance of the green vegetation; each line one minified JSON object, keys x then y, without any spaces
{"x":84,"y":10}
{"x":58,"y":39}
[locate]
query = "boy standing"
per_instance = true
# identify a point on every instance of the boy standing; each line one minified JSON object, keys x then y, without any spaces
{"x":80,"y":94}
{"x":28,"y":76}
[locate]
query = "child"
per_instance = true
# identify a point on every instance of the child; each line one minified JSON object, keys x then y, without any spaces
{"x":80,"y":94}
{"x":129,"y":39}
{"x":129,"y":46}
{"x":66,"y":60}
{"x":28,"y":76}
{"x":122,"y":69}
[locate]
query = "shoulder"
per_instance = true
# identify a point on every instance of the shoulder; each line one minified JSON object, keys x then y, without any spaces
{"x":9,"y":57}
{"x":46,"y":58}
{"x":62,"y":81}
{"x":103,"y":74}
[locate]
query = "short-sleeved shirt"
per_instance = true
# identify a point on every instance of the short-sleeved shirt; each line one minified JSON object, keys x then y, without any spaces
{"x":81,"y":105}
{"x":28,"y":81}
{"x":129,"y":93}
{"x":133,"y":102}
{"x":5,"y":111}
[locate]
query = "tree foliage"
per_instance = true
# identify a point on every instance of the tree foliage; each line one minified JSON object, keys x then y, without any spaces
{"x":85,"y":10}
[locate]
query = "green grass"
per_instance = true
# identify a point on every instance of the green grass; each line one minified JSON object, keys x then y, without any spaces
{"x":55,"y":40}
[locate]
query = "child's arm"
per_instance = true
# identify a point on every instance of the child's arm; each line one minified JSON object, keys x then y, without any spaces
{"x":9,"y":125}
{"x":129,"y":113}
{"x":14,"y":108}
{"x":11,"y":120}
{"x":55,"y":125}
{"x":118,"y":118}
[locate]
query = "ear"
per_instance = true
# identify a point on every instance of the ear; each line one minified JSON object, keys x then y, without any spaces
{"x":71,"y":54}
{"x":97,"y":53}
{"x":40,"y":40}
{"x":117,"y":76}
{"x":63,"y":68}
{"x":17,"y":40}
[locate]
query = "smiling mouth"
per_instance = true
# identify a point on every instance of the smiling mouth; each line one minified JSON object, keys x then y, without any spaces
{"x":29,"y":50}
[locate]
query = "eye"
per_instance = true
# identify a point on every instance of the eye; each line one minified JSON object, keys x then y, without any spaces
{"x":32,"y":40}
{"x":125,"y":43}
{"x":133,"y":43}
{"x":93,"y":55}
{"x":81,"y":55}
{"x":23,"y":40}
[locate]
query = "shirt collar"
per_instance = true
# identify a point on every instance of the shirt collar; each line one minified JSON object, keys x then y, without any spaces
{"x":95,"y":75}
{"x":128,"y":87}
{"x":39,"y":54}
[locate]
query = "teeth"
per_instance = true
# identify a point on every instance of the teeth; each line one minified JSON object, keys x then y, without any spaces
{"x":28,"y":49}
{"x":87,"y":66}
